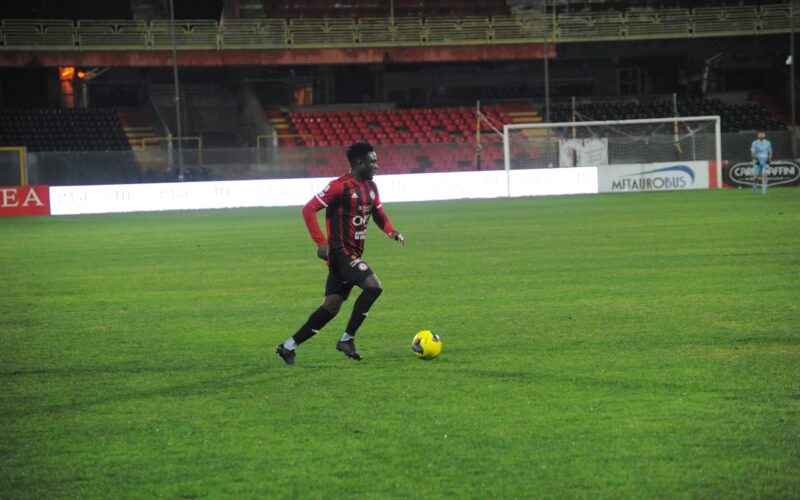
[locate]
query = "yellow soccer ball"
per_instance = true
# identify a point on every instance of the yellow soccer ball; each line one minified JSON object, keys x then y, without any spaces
{"x":426,"y":345}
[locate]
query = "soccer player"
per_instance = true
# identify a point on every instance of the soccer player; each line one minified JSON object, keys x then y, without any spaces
{"x":762,"y":156}
{"x":349,"y":202}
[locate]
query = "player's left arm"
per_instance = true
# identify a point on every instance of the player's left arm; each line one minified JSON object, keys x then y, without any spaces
{"x":383,"y":222}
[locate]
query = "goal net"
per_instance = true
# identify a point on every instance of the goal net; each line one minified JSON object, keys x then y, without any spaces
{"x":601,"y":143}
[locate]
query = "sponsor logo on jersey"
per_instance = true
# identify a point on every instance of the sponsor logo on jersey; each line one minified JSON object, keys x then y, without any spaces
{"x":324,"y":190}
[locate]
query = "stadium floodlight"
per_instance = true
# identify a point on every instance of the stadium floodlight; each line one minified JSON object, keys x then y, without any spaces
{"x":613,"y":142}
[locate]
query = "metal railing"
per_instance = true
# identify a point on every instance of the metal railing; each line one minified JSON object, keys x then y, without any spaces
{"x":19,"y":166}
{"x":273,"y":138}
{"x":69,"y":168}
{"x":142,"y":143}
{"x":146,"y":144}
{"x":66,"y":35}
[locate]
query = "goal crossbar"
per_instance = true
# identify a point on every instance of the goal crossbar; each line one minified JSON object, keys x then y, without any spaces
{"x":635,"y":121}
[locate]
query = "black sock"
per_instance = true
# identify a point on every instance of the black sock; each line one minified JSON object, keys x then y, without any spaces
{"x":361,"y":308}
{"x":316,"y":321}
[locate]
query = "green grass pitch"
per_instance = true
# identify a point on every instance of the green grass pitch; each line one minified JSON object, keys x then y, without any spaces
{"x":637,"y":345}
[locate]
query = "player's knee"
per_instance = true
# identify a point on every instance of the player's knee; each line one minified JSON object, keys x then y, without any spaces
{"x":332,"y":308}
{"x":373,"y":292}
{"x":371,"y":282}
{"x":333,"y":304}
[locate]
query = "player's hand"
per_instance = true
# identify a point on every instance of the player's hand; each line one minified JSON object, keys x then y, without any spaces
{"x":398,"y":238}
{"x":324,"y":251}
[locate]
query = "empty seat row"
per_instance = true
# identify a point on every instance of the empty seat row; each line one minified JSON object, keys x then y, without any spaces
{"x":734,"y":117}
{"x":395,"y":126}
{"x":92,"y":129}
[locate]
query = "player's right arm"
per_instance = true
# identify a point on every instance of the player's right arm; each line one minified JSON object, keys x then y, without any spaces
{"x":323,"y":199}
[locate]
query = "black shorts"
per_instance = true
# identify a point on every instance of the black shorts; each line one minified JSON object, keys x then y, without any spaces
{"x":344,"y":274}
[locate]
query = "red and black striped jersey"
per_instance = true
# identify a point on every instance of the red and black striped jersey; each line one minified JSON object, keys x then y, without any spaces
{"x":348,"y":204}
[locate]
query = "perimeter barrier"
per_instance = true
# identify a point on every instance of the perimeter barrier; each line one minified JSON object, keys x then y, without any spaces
{"x":120,"y":181}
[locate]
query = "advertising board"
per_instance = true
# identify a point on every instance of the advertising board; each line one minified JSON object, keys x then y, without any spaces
{"x":781,"y":173}
{"x":24,"y":200}
{"x":67,"y":200}
{"x":666,"y":176}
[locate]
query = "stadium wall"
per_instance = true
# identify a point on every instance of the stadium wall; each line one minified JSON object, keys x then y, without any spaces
{"x":121,"y":198}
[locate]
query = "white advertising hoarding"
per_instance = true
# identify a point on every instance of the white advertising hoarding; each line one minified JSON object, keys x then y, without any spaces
{"x":69,"y":200}
{"x":667,"y":176}
{"x":553,"y":181}
{"x":442,"y":186}
{"x":182,"y":196}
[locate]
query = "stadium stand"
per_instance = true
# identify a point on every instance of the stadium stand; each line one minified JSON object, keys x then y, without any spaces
{"x":94,"y":129}
{"x":393,"y":126}
{"x":136,"y":126}
{"x":735,"y":117}
{"x":443,"y":139}
{"x":299,"y":9}
{"x":423,"y":139}
{"x":303,"y":24}
{"x":71,"y":146}
{"x":633,"y":5}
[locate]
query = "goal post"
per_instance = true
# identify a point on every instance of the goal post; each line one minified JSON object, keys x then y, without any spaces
{"x":613,"y":142}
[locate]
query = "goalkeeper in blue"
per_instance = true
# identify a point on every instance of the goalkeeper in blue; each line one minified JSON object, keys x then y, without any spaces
{"x":762,"y":156}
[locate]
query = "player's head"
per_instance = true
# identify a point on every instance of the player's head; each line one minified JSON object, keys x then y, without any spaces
{"x":761,"y":136}
{"x":363,"y":160}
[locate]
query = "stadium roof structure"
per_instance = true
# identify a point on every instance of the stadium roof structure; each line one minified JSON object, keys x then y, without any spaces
{"x":365,"y":40}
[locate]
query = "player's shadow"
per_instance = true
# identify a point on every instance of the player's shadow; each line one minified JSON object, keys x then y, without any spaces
{"x":249,"y":379}
{"x":240,"y":381}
